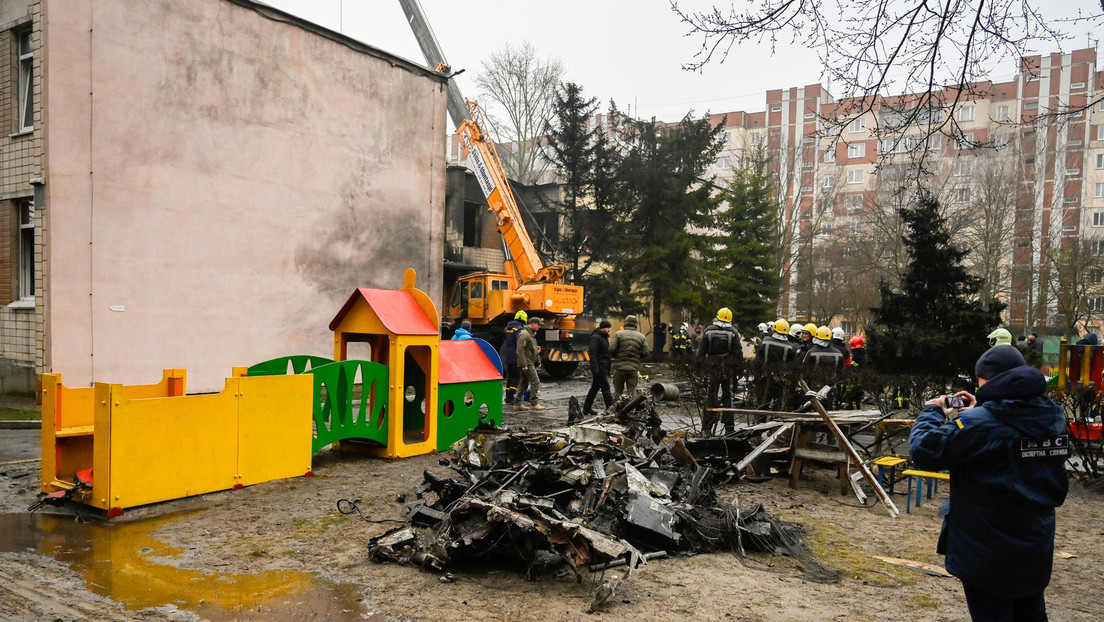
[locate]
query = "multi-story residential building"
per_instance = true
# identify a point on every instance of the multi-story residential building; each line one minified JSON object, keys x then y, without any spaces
{"x":1017,"y":182}
{"x":201,"y":185}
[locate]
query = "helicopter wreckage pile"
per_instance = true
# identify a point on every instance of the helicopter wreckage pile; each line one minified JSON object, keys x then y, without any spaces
{"x":603,"y":493}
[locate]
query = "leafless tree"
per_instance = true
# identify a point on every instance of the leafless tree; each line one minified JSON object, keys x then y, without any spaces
{"x":522,"y":87}
{"x":1074,"y":273}
{"x":938,"y":53}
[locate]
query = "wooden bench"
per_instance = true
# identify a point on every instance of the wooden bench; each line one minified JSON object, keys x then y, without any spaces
{"x":933,"y":480}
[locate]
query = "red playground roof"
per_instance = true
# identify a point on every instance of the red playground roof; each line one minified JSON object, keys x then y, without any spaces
{"x":464,"y":361}
{"x":396,"y":308}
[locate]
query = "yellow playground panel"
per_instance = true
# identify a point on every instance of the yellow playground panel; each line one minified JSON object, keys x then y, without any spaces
{"x":149,"y":443}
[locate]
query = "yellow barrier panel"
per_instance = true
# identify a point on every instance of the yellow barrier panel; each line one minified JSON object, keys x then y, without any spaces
{"x":150,"y":449}
{"x":68,"y":418}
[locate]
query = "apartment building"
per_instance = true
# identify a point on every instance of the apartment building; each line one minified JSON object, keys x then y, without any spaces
{"x":200,"y":185}
{"x":1038,"y":177}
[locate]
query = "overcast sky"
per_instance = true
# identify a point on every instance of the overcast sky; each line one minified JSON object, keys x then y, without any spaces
{"x":631,"y":51}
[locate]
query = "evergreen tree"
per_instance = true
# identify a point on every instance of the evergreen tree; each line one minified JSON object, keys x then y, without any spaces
{"x":934,"y":324}
{"x":664,"y":202}
{"x":576,"y":150}
{"x":742,"y":258}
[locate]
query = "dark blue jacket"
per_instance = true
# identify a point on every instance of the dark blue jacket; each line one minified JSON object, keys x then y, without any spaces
{"x":599,"y":353}
{"x":1005,"y":482}
{"x":511,"y":330}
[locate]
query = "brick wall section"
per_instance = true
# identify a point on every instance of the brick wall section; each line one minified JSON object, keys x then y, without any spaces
{"x":21,"y":330}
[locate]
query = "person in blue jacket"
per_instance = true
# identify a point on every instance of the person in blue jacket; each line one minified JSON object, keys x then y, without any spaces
{"x":463,"y":333}
{"x":1005,"y":450}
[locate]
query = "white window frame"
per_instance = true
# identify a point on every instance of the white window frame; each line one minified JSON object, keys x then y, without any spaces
{"x":965,"y":113}
{"x":830,"y":181}
{"x":965,"y":141}
{"x":853,"y":202}
{"x":1031,"y":105}
{"x":1100,"y":132}
{"x":756,"y":138}
{"x":857,"y":125}
{"x":26,"y":81}
{"x":1098,"y":190}
{"x":776,"y":108}
{"x":1100,"y":160}
{"x":1002,"y":113}
{"x":26,"y":251}
{"x":810,"y":115}
{"x":1094,"y":304}
{"x":1076,"y":86}
{"x":1098,"y":219}
{"x":1096,"y":248}
{"x":830,"y":154}
{"x":856,"y":150}
{"x":963,"y":167}
{"x":1073,"y":172}
{"x":856,"y":176}
{"x":961,"y":195}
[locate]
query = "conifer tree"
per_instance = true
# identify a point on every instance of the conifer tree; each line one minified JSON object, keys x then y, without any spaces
{"x":933,"y":323}
{"x":742,"y":258}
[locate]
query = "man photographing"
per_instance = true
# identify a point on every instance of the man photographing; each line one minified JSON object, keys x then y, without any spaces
{"x":1005,"y":450}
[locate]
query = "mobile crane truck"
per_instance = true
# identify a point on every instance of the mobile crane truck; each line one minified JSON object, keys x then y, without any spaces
{"x":490,"y":299}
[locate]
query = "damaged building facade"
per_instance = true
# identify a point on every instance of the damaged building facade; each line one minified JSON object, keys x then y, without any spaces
{"x":200,"y":184}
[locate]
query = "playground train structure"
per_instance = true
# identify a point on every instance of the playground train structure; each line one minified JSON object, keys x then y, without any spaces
{"x":417,"y":395}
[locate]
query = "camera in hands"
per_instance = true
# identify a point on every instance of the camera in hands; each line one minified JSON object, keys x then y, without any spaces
{"x":954,"y":401}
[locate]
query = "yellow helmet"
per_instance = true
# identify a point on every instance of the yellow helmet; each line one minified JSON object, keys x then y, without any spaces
{"x":824,"y":333}
{"x":724,"y":314}
{"x":810,"y":328}
{"x":781,"y":326}
{"x":521,"y":316}
{"x":1000,"y":337}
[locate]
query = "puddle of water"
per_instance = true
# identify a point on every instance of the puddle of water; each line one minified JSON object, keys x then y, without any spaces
{"x":118,"y":561}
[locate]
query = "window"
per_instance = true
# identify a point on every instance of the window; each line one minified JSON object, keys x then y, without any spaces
{"x":725,"y":139}
{"x":724,"y":163}
{"x":1098,"y":190}
{"x":1002,"y":140}
{"x":776,"y":108}
{"x":857,"y":125}
{"x":1100,"y":160}
{"x":810,"y":115}
{"x":1073,"y":172}
{"x":1001,"y":113}
{"x":830,"y":180}
{"x":807,"y":165}
{"x":858,"y":150}
{"x":26,"y":251}
{"x":965,"y":113}
{"x":853,"y":202}
{"x":961,"y":195}
{"x":497,"y":285}
{"x":26,"y":82}
{"x":855,"y":176}
{"x":1100,"y":132}
{"x":1095,"y":304}
{"x":1069,"y":200}
{"x":934,"y":142}
{"x":965,"y":141}
{"x":1031,"y":105}
{"x":1031,"y":77}
{"x":830,"y":154}
{"x":808,"y":140}
{"x":963,"y":167}
{"x":755,"y":139}
{"x":1096,"y":248}
{"x":1077,"y":86}
{"x":1098,"y":219}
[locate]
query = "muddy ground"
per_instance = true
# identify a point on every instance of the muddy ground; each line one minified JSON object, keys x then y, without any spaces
{"x":281,"y":550}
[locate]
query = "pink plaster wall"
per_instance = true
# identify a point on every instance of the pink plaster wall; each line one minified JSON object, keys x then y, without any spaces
{"x":228,"y":180}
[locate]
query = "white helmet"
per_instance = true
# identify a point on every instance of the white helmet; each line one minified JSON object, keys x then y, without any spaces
{"x":837,"y":333}
{"x":762,"y":327}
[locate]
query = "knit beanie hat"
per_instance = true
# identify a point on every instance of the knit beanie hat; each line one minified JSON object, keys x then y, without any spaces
{"x":466,"y":325}
{"x":605,"y":324}
{"x":998,"y":360}
{"x":630,"y":320}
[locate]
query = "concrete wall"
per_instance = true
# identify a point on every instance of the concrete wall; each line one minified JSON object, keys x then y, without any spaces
{"x":217,"y":184}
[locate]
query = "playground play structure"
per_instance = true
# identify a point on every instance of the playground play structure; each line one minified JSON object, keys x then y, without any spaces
{"x":114,"y":446}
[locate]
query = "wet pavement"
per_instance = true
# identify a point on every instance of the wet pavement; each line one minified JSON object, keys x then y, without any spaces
{"x":20,"y":444}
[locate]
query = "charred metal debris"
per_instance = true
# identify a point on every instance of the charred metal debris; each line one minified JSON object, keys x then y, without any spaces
{"x":606,"y":492}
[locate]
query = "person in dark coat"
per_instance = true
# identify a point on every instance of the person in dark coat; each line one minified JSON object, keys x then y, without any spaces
{"x":720,"y":346}
{"x":513,"y":374}
{"x":1005,"y":451}
{"x":599,"y":368}
{"x":1090,"y":339}
{"x":659,"y":337}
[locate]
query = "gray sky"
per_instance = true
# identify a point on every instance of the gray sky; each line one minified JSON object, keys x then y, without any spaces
{"x":631,"y":51}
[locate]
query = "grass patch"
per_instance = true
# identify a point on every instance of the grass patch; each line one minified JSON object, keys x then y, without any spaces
{"x":334,"y":519}
{"x":17,"y":414}
{"x":830,"y":544}
{"x":923,"y":600}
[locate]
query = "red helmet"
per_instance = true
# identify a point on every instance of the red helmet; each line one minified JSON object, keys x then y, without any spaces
{"x":858,"y":342}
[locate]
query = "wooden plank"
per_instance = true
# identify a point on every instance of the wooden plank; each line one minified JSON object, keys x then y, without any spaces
{"x":845,"y":444}
{"x":928,"y":569}
{"x":741,"y":465}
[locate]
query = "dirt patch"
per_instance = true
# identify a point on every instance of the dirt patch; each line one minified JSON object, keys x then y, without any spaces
{"x":294,"y":524}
